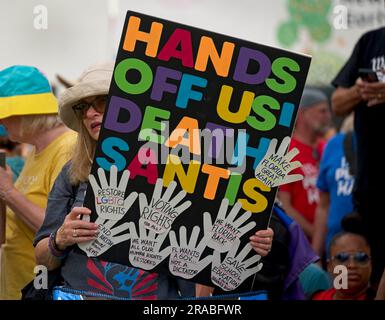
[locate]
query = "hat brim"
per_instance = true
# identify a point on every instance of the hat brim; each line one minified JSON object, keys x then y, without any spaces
{"x":65,"y":82}
{"x":76,"y":93}
{"x":28,"y":104}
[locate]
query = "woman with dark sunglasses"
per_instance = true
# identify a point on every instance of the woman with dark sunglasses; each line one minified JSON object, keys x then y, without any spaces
{"x":350,"y":267}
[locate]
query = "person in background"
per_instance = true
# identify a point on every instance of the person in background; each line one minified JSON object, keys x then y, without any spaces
{"x":28,"y":111}
{"x":13,"y":159}
{"x":82,"y":107}
{"x":367,"y":100}
{"x":335,"y":183}
{"x":351,"y":250}
{"x":299,"y":199}
{"x":381,"y":288}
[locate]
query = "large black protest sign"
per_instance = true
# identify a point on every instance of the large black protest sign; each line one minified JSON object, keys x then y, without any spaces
{"x":191,"y":115}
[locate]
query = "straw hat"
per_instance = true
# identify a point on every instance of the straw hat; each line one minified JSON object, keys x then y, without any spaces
{"x":94,"y":81}
{"x":24,"y":90}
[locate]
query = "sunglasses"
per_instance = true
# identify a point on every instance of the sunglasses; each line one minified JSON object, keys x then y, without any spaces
{"x":361,"y":258}
{"x":99,"y":105}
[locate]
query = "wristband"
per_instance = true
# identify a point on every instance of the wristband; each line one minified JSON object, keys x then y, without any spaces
{"x":60,"y":254}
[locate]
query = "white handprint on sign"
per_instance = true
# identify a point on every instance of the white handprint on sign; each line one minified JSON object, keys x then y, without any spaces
{"x":226,"y":229}
{"x":230,"y":273}
{"x":160,"y":213}
{"x":274,"y":168}
{"x":145,"y":248}
{"x":185,"y":258}
{"x":109,"y":198}
{"x":107,"y":237}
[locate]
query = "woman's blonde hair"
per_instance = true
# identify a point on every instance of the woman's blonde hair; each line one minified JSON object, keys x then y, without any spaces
{"x":33,"y":124}
{"x":82,"y":155}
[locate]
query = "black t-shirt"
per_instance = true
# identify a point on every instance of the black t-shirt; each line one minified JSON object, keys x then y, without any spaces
{"x":369,"y":52}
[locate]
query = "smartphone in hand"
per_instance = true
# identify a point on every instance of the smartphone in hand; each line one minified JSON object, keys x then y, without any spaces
{"x":368,"y":75}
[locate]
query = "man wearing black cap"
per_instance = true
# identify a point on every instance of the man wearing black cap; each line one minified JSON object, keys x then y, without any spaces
{"x":300,"y":198}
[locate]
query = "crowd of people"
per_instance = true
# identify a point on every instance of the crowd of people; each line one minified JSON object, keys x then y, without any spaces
{"x":324,"y":241}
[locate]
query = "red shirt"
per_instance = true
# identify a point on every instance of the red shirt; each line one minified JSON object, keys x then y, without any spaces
{"x":304,"y":193}
{"x":329,"y":295}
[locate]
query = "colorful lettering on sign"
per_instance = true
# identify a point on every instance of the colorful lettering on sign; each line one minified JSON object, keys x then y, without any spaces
{"x":172,"y":73}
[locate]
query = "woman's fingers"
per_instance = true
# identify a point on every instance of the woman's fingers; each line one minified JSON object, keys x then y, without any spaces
{"x":79,"y":228}
{"x":265,"y":233}
{"x":261,"y":248}
{"x":260,"y":240}
{"x":70,"y":236}
{"x":77,"y":233}
{"x":77,"y":211}
{"x":80,"y":224}
{"x":261,"y":252}
{"x":260,"y":245}
{"x":84,"y":239}
{"x":75,"y":230}
{"x":73,"y":221}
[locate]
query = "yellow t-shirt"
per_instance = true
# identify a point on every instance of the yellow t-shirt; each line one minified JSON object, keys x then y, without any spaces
{"x":35,"y":182}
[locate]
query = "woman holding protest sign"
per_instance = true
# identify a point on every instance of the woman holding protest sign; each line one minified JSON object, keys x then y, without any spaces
{"x":81,"y":108}
{"x":28,"y":111}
